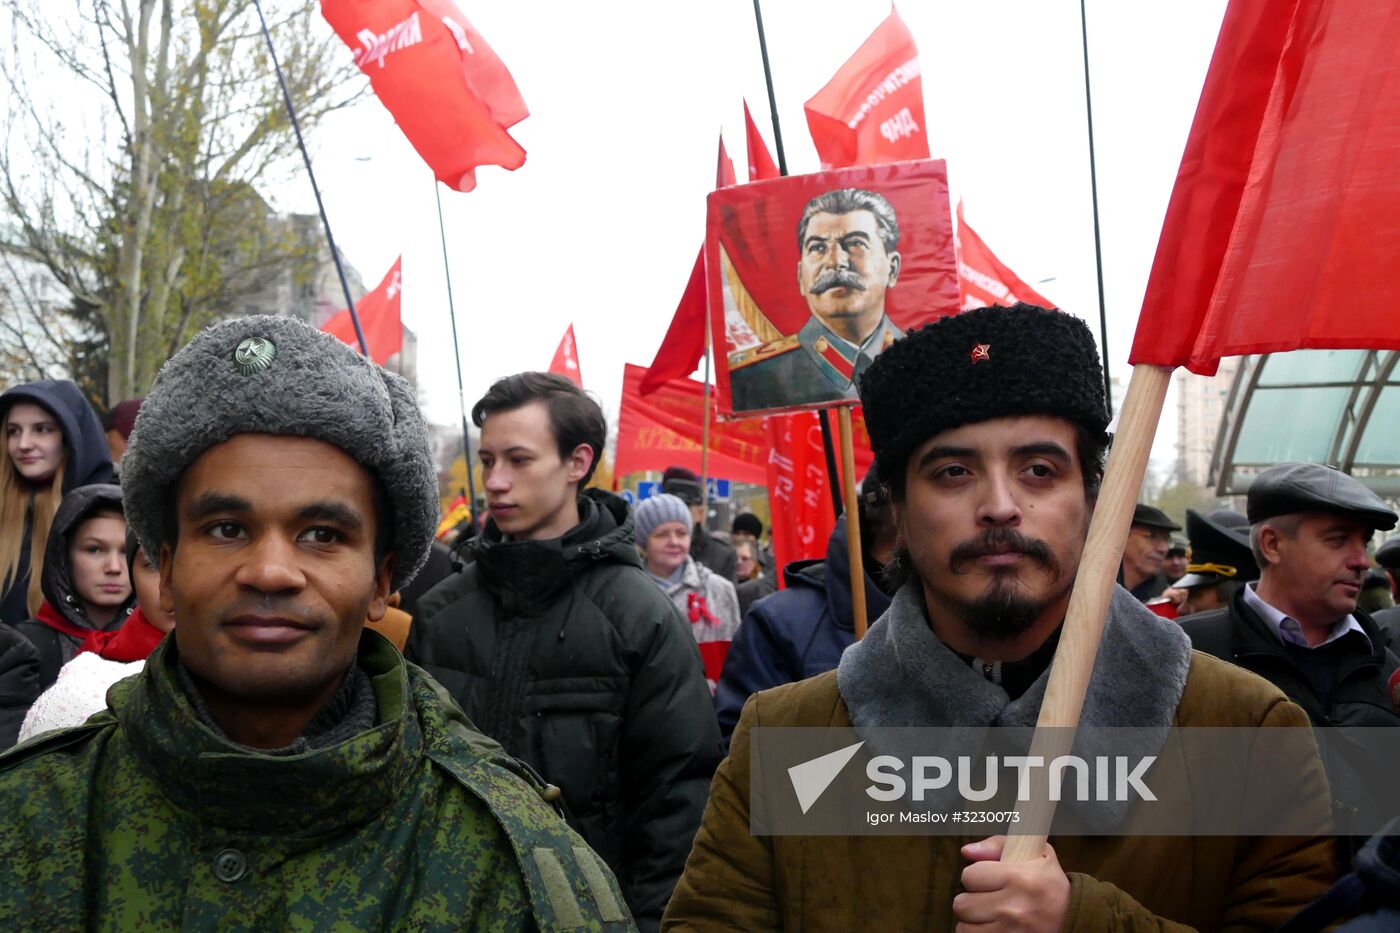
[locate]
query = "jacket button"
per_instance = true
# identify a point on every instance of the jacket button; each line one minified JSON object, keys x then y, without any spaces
{"x":551,"y":793}
{"x":230,"y":865}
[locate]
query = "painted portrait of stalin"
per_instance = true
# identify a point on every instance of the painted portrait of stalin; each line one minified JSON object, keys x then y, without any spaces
{"x":848,"y":253}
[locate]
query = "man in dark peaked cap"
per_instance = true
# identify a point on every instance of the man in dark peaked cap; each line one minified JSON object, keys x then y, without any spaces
{"x":1145,"y":551}
{"x":1388,"y":557}
{"x":1221,"y":560}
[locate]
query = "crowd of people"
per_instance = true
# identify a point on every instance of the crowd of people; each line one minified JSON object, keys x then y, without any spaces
{"x":550,"y":726}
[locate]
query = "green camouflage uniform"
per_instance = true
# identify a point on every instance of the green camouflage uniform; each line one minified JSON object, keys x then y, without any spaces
{"x":145,"y":819}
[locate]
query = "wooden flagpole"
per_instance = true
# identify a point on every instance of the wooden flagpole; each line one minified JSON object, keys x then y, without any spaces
{"x":705,"y":434}
{"x":853,"y":549}
{"x":1089,"y":602}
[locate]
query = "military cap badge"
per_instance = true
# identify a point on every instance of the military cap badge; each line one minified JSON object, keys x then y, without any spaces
{"x":254,"y":354}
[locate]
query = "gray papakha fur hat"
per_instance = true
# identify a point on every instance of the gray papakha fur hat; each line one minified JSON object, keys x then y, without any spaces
{"x":276,"y":375}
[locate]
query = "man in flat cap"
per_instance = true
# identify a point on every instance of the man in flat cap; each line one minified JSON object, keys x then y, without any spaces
{"x":1146,"y":551}
{"x":275,"y":765}
{"x":1388,"y":557}
{"x":1221,"y":560}
{"x":989,"y":430}
{"x":1298,"y":627}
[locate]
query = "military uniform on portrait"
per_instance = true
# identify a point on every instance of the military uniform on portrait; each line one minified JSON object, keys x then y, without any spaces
{"x":811,"y":366}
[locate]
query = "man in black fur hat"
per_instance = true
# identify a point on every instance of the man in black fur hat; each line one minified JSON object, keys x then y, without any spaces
{"x":989,"y":430}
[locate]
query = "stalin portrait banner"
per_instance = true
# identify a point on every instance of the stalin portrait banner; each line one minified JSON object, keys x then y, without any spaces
{"x":810,"y":277}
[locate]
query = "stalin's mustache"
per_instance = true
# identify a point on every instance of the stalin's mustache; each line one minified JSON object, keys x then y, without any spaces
{"x":836,"y":278}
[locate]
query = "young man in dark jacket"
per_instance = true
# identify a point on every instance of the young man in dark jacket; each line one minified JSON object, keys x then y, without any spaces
{"x":557,"y":645}
{"x":801,"y":631}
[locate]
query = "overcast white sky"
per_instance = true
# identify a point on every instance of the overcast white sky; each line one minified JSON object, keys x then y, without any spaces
{"x":600,"y":226}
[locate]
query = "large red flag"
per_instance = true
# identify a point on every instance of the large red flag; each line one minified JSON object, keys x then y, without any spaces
{"x":1281,"y":232}
{"x":448,"y":91}
{"x":380,"y":318}
{"x":666,"y":428}
{"x":565,"y":362}
{"x":872,"y":110}
{"x":799,"y":497}
{"x":684,"y":344}
{"x":761,"y":164}
{"x":984,"y":279}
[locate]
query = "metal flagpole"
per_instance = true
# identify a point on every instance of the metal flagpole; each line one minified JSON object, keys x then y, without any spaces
{"x":457,"y":352}
{"x":1094,"y":194}
{"x":827,"y":446}
{"x":316,"y":189}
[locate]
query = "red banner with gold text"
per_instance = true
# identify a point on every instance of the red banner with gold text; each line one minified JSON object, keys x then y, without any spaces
{"x":664,"y":429}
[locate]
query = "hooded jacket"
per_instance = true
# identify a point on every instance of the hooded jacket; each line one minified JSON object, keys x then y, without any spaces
{"x":89,"y":461}
{"x":901,"y":675}
{"x":145,"y":817}
{"x":62,"y":624}
{"x":797,"y":633}
{"x":569,"y":656}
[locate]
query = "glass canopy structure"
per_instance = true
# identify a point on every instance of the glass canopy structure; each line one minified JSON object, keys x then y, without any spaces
{"x":1338,"y":407}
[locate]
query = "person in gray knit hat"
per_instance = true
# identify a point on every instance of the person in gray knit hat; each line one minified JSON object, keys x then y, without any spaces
{"x":285,"y":483}
{"x":708,"y":601}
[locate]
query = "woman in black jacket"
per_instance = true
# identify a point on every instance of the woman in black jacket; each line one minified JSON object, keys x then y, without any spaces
{"x":53,"y":444}
{"x":86,"y":583}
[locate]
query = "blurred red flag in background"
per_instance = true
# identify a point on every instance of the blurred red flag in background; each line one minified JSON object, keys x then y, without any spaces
{"x":761,"y":164}
{"x":380,"y":318}
{"x":666,"y":428}
{"x":1281,"y":231}
{"x":565,"y":362}
{"x":984,"y":279}
{"x":683,"y":347}
{"x":448,"y":91}
{"x":872,"y":110}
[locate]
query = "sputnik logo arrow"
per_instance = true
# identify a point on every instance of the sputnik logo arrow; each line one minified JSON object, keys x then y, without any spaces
{"x":811,"y":778}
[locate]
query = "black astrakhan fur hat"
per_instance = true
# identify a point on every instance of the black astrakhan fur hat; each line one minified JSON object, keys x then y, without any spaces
{"x":987,"y":363}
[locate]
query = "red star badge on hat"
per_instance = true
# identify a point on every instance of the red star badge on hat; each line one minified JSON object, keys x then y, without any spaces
{"x":982,"y":351}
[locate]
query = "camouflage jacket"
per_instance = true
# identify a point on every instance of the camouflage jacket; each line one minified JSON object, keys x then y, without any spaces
{"x":144,"y":818}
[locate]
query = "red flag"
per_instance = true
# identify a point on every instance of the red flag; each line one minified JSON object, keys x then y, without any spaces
{"x":666,"y":428}
{"x":565,"y":362}
{"x":379,"y":318}
{"x":799,"y":497}
{"x":872,"y":110}
{"x":984,"y":279}
{"x":448,"y":91}
{"x":684,"y":344}
{"x":761,"y":163}
{"x":1281,"y":230}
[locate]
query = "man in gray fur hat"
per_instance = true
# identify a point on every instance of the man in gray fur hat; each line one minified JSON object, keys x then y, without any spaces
{"x":275,"y":764}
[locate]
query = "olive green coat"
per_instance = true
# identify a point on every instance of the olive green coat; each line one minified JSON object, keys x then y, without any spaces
{"x":737,"y":881}
{"x":146,"y":819}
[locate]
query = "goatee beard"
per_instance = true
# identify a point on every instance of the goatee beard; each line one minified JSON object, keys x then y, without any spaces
{"x":1002,"y":613}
